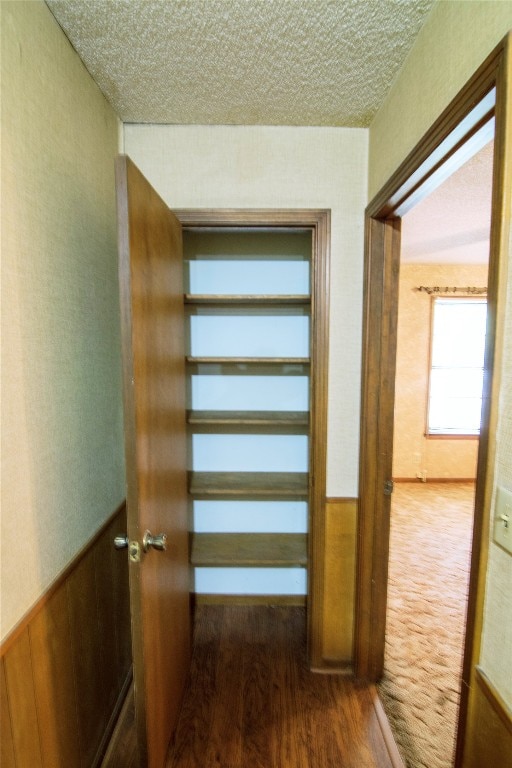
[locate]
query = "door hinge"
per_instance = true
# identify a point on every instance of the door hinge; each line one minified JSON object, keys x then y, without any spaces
{"x":388,"y":487}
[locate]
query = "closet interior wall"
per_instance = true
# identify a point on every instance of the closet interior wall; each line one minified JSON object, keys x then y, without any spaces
{"x":248,"y":307}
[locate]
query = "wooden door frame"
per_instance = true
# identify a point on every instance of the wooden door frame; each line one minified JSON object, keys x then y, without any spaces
{"x":319,"y":223}
{"x":420,"y":172}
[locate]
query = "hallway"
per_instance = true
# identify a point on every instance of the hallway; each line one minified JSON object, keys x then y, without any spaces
{"x":252,"y":703}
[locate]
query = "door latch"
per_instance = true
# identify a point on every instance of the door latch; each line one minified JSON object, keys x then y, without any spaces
{"x":134,"y":551}
{"x":388,"y":487}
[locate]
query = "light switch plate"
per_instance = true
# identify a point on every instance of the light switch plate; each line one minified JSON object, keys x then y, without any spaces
{"x":503,"y":518}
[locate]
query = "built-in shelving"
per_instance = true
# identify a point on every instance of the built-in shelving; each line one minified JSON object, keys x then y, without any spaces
{"x":225,"y":340}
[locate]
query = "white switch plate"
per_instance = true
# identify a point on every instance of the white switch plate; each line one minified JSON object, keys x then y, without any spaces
{"x":503,"y":519}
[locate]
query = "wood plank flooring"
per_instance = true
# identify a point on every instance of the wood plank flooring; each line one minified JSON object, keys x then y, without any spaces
{"x":252,"y":703}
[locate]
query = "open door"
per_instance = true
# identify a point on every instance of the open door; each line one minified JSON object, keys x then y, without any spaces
{"x":151,"y":288}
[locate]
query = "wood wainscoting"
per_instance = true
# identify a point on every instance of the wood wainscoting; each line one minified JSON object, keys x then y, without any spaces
{"x":339,"y":564}
{"x":66,"y":668}
{"x":489,"y":728}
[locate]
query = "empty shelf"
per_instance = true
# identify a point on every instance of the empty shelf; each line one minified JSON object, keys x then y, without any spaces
{"x":243,"y":299}
{"x":249,"y":366}
{"x":249,"y":485}
{"x":269,"y":422}
{"x":264,"y":550}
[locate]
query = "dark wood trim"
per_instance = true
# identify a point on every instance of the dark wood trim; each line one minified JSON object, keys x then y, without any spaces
{"x":113,"y":720}
{"x":385,"y":728}
{"x":319,"y":222}
{"x":122,"y":725}
{"x":382,"y":255}
{"x":449,"y":121}
{"x":378,"y":377}
{"x":496,"y":300}
{"x":59,"y":580}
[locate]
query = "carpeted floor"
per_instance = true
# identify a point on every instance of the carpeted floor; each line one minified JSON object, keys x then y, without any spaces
{"x":431,"y":528}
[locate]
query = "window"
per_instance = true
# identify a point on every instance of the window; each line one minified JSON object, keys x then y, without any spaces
{"x":457,"y":360}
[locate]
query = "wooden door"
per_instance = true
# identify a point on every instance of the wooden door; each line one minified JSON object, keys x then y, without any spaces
{"x":152,"y":319}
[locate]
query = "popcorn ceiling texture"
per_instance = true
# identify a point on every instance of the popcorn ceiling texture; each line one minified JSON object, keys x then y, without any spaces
{"x":286,"y":62}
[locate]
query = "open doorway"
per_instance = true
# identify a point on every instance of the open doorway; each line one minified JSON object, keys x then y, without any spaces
{"x":438,"y":394}
{"x":425,"y":167}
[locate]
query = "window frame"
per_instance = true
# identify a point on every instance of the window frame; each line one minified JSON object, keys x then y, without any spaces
{"x":439,"y":434}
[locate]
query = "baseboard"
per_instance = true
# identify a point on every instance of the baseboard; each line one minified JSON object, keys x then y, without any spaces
{"x":334,"y":668}
{"x":118,"y":733}
{"x":469,"y":480}
{"x":108,"y":743}
{"x":290,"y":600}
{"x":385,"y":728}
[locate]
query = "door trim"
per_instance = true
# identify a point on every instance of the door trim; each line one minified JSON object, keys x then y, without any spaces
{"x":319,"y":222}
{"x":382,"y":255}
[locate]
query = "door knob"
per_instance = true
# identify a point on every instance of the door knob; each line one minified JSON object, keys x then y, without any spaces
{"x":121,"y":542}
{"x":157,"y":542}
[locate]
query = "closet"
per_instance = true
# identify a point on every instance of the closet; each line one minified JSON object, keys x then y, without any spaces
{"x":248,"y":319}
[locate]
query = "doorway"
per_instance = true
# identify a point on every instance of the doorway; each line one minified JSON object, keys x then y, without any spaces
{"x":438,"y":386}
{"x":425,"y":167}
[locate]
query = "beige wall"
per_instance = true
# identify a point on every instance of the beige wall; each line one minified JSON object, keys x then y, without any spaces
{"x":252,"y":167}
{"x":413,"y":453}
{"x":455,"y":39}
{"x":62,"y":462}
{"x":452,"y":44}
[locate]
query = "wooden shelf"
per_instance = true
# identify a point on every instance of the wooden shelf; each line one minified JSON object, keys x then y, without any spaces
{"x":242,"y":298}
{"x":273,"y":306}
{"x":242,"y":422}
{"x":242,"y":550}
{"x":249,"y":366}
{"x":249,"y":485}
{"x":250,"y":360}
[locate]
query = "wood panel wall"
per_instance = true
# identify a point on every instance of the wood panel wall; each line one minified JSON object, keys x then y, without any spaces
{"x":489,"y":727}
{"x":339,"y":565}
{"x":65,"y":669}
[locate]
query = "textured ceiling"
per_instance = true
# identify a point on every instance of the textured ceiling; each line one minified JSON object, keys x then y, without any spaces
{"x":452,"y":225}
{"x":253,"y":62}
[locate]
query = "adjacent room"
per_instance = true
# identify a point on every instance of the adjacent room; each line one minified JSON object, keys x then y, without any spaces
{"x":438,"y":399}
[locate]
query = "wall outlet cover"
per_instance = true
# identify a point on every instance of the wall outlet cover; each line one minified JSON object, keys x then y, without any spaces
{"x":503,"y":519}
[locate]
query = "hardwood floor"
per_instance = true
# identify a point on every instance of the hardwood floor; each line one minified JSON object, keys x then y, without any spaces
{"x":252,"y":703}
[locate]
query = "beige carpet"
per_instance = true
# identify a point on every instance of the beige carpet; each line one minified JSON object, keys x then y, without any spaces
{"x":431,"y":527}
